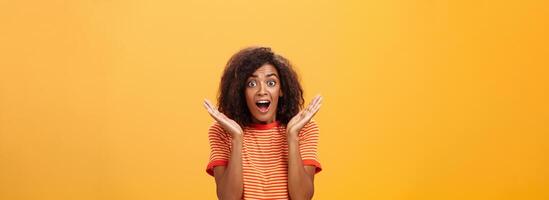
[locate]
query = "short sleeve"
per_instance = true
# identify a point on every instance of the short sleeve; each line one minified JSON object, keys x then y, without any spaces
{"x":308,"y":145}
{"x":220,"y":147}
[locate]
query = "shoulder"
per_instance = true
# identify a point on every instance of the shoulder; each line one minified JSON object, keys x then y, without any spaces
{"x":216,"y":129}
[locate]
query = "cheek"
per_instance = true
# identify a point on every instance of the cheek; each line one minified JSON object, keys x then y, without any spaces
{"x":249,"y":97}
{"x":276,"y":92}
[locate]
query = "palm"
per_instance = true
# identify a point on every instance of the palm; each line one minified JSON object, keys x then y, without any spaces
{"x":228,"y":124}
{"x":304,"y":116}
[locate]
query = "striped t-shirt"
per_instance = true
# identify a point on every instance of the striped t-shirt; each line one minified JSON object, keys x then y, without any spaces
{"x":264,"y":156}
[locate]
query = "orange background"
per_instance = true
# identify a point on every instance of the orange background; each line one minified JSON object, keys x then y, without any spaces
{"x":423,"y":99}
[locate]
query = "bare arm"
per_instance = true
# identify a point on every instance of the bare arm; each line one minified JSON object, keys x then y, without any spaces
{"x":300,"y":177}
{"x":229,"y":179}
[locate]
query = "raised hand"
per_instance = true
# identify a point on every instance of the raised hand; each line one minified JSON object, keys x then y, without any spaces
{"x":303,"y":117}
{"x":228,"y":124}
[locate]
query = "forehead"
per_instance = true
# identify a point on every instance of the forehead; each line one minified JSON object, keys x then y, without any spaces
{"x":265,"y":70}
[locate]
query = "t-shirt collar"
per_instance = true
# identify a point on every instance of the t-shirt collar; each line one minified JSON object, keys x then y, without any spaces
{"x":264,"y":126}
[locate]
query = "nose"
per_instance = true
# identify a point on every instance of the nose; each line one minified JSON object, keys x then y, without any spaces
{"x":262,"y":89}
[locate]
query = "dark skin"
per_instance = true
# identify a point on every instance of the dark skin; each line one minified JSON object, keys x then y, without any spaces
{"x":264,"y":85}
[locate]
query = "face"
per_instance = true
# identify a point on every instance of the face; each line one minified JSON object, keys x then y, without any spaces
{"x":262,"y":93}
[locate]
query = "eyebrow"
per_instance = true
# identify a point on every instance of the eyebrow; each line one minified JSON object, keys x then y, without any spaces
{"x":268,"y":75}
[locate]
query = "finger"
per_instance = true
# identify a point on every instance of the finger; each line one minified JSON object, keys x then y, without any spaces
{"x":302,"y":113}
{"x":313,"y":103}
{"x":315,"y":99}
{"x":222,"y":115}
{"x":214,"y":115}
{"x":205,"y":106}
{"x":208,"y":108}
{"x":219,"y":115}
{"x":318,"y":103}
{"x":227,"y":122}
{"x":308,"y":109}
{"x":315,"y":108}
{"x":311,"y":113}
{"x":209,"y":103}
{"x":311,"y":110}
{"x":318,"y":99}
{"x":212,"y":111}
{"x":205,"y":103}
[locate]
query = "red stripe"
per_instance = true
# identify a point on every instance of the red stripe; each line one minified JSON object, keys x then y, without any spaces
{"x":264,"y":157}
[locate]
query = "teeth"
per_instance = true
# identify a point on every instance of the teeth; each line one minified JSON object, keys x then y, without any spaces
{"x":262,"y":101}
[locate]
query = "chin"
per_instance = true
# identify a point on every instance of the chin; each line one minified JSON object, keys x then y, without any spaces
{"x":264,"y":119}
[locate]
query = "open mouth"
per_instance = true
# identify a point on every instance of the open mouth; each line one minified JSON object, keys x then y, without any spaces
{"x":263,"y":105}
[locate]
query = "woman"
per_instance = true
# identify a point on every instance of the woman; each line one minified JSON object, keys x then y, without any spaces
{"x":262,"y":145}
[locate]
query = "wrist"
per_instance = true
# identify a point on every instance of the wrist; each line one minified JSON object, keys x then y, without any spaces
{"x":292,"y":136}
{"x":237,"y":138}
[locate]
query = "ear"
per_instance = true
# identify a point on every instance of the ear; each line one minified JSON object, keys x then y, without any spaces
{"x":281,"y":94}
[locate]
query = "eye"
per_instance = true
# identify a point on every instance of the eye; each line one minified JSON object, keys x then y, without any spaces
{"x":252,"y":83}
{"x":271,"y":83}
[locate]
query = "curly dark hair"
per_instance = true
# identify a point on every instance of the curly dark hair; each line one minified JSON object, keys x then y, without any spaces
{"x":231,"y":98}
